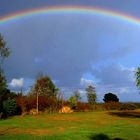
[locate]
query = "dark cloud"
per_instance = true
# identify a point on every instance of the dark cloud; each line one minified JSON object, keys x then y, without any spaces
{"x":115,"y":75}
{"x":67,"y":46}
{"x":117,"y":79}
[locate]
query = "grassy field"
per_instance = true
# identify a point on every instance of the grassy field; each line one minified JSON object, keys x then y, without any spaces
{"x":75,"y":126}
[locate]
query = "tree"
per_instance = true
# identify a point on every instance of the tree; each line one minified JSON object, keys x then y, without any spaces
{"x":3,"y":84}
{"x":138,"y":77}
{"x":77,"y":95}
{"x":10,"y":107}
{"x":4,"y":51}
{"x":91,"y":94}
{"x":110,"y":97}
{"x":73,"y":100}
{"x":3,"y":90}
{"x":45,"y":87}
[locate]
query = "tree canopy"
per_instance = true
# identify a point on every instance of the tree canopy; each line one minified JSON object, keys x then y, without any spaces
{"x":4,"y":51}
{"x":91,"y":94}
{"x":4,"y":92}
{"x":45,"y":86}
{"x":138,"y":77}
{"x":77,"y":95}
{"x":110,"y":97}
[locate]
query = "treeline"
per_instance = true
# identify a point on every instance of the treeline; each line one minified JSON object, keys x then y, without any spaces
{"x":45,"y":97}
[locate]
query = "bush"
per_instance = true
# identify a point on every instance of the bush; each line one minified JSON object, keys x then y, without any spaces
{"x":127,"y":106}
{"x":45,"y":103}
{"x":137,"y":105}
{"x":49,"y":104}
{"x":111,"y":106}
{"x":22,"y":103}
{"x":82,"y":107}
{"x":72,"y":102}
{"x":98,"y":106}
{"x":10,"y":107}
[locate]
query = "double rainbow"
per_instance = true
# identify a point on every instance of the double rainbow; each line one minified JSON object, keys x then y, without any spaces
{"x":70,"y":10}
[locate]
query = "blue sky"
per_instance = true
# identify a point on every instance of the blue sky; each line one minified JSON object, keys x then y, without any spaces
{"x":75,"y":50}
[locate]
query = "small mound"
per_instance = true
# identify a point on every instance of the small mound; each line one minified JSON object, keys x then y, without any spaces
{"x":65,"y":109}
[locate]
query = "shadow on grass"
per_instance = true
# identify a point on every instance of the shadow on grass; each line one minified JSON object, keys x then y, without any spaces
{"x":102,"y":137}
{"x":127,"y":114}
{"x":5,"y":131}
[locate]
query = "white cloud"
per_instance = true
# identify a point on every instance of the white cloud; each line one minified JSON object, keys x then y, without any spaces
{"x":124,"y":90}
{"x":86,"y":82}
{"x":17,"y":82}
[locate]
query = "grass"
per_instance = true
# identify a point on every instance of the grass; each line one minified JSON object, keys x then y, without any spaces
{"x":76,"y":126}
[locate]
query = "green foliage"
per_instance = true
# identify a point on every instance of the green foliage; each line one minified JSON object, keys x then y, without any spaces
{"x":3,"y":90}
{"x":4,"y":95}
{"x":110,"y":97}
{"x":45,"y":86}
{"x":77,"y":95}
{"x":4,"y":51}
{"x":10,"y":107}
{"x":3,"y":84}
{"x":72,"y":102}
{"x":91,"y":94}
{"x":138,"y":77}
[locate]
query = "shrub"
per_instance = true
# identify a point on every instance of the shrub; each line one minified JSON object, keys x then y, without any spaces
{"x":10,"y":107}
{"x":98,"y":106}
{"x":45,"y":103}
{"x":127,"y":106}
{"x":72,"y":102}
{"x":49,"y":104}
{"x":137,"y":105}
{"x":82,"y":107}
{"x":111,"y":106}
{"x":22,"y":103}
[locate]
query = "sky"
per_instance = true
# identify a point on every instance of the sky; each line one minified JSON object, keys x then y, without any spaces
{"x":75,"y":50}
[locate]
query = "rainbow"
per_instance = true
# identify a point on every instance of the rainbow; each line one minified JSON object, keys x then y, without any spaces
{"x":70,"y":10}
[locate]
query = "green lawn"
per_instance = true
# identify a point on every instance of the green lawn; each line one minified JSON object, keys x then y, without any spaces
{"x":75,"y":126}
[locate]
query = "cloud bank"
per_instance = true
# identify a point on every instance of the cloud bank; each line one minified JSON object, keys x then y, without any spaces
{"x":66,"y":47}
